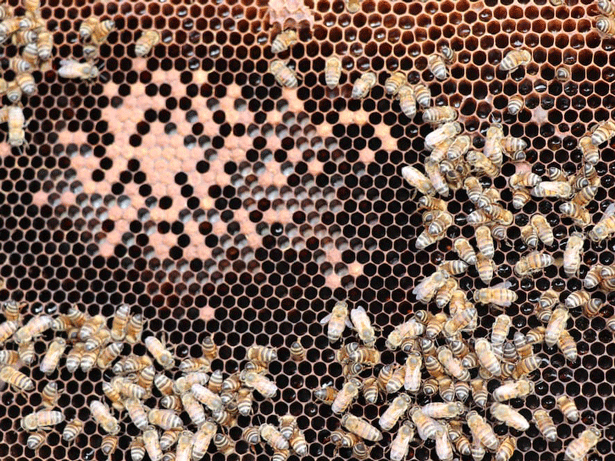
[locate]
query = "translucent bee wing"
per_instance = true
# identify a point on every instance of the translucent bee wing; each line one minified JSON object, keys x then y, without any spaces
{"x":506,"y":284}
{"x":326,"y":319}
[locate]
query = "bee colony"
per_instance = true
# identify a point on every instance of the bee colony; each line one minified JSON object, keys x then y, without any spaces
{"x":436,"y":175}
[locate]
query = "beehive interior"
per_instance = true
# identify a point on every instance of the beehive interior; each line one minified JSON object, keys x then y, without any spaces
{"x":272,"y":204}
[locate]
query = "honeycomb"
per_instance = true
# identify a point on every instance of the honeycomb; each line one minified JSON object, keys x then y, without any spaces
{"x":193,"y":188}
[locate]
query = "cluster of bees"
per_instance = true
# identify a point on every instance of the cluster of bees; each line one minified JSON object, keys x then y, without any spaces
{"x":35,"y":44}
{"x":457,"y":372}
{"x":605,"y":23}
{"x":94,"y":32}
{"x":208,"y":400}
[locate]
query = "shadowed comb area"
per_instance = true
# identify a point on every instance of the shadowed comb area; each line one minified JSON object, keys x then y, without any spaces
{"x":190,"y":186}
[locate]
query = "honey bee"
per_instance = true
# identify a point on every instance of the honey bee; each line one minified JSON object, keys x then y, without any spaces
{"x":407,"y":100}
{"x":284,"y":41}
{"x":443,"y":114}
{"x":16,"y":379}
{"x":422,"y":95}
{"x":444,"y":447}
{"x":36,"y":440}
{"x":481,"y":164}
{"x":604,"y":131}
{"x":513,"y":389}
{"x":109,"y":445}
{"x":7,"y":329}
{"x":434,"y":173}
{"x":337,"y":321}
{"x":159,"y":352}
{"x":6,"y":11}
{"x":109,"y":354}
{"x":592,"y":309}
{"x":193,"y":408}
{"x":401,"y":443}
{"x":447,"y":131}
{"x":363,"y":85}
{"x":452,"y":365}
{"x":509,"y":416}
{"x":568,"y":346}
{"x":120,"y":320}
{"x":485,"y":268}
{"x":263,"y":385}
{"x":501,"y":327}
{"x":8,"y":27}
{"x":527,"y":366}
{"x":462,"y":445}
{"x":98,"y":339}
{"x":41,"y":419}
{"x":137,"y":449}
{"x":172,"y":402}
{"x":19,"y":65}
{"x":333,"y":71}
{"x":515,"y":59}
{"x":545,"y":425}
{"x":34,"y":328}
{"x":195,"y":364}
{"x":135,"y":363}
{"x":71,"y":69}
{"x":418,"y":180}
{"x":184,"y":446}
{"x":543,"y":229}
{"x":482,"y":430}
{"x":72,"y":430}
{"x":396,"y":409}
{"x":73,"y":359}
{"x":430,"y":387}
{"x":437,"y":66}
{"x":606,"y":7}
{"x":26,"y":83}
{"x":439,"y":410}
{"x":128,"y":388}
{"x":137,"y":412}
{"x":326,"y":394}
{"x":456,"y":267}
{"x":552,"y":189}
{"x":361,"y":428}
{"x":206,"y":397}
{"x":568,"y":408}
{"x":572,"y":254}
{"x":578,"y":449}
{"x":395,"y":81}
{"x":556,"y":325}
{"x":224,"y":444}
{"x":185,"y":383}
{"x":515,"y":104}
{"x":604,"y":229}
{"x":396,"y":381}
{"x":548,"y":299}
{"x":134,"y":328}
{"x":486,"y":357}
{"x":446,"y":388}
{"x":536,"y":335}
{"x":465,"y":251}
{"x":506,"y":449}
{"x":591,"y":153}
{"x":113,"y":394}
{"x":52,"y":357}
{"x":297,"y":351}
{"x":532,"y":263}
{"x":425,"y":426}
{"x":165,"y":385}
{"x":50,"y":395}
{"x":363,"y":326}
{"x":262,"y":354}
{"x":435,"y":325}
{"x":484,"y":241}
{"x":165,"y":419}
{"x":428,"y":287}
{"x":203,"y":437}
{"x":273,"y":437}
{"x":409,"y":329}
{"x":298,"y":443}
{"x":462,"y":390}
{"x":151,"y":443}
{"x":493,"y":147}
{"x":502,"y":297}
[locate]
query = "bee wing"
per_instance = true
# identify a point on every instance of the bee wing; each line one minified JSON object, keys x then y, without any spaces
{"x":326,"y":319}
{"x":505,"y":284}
{"x":610,"y":211}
